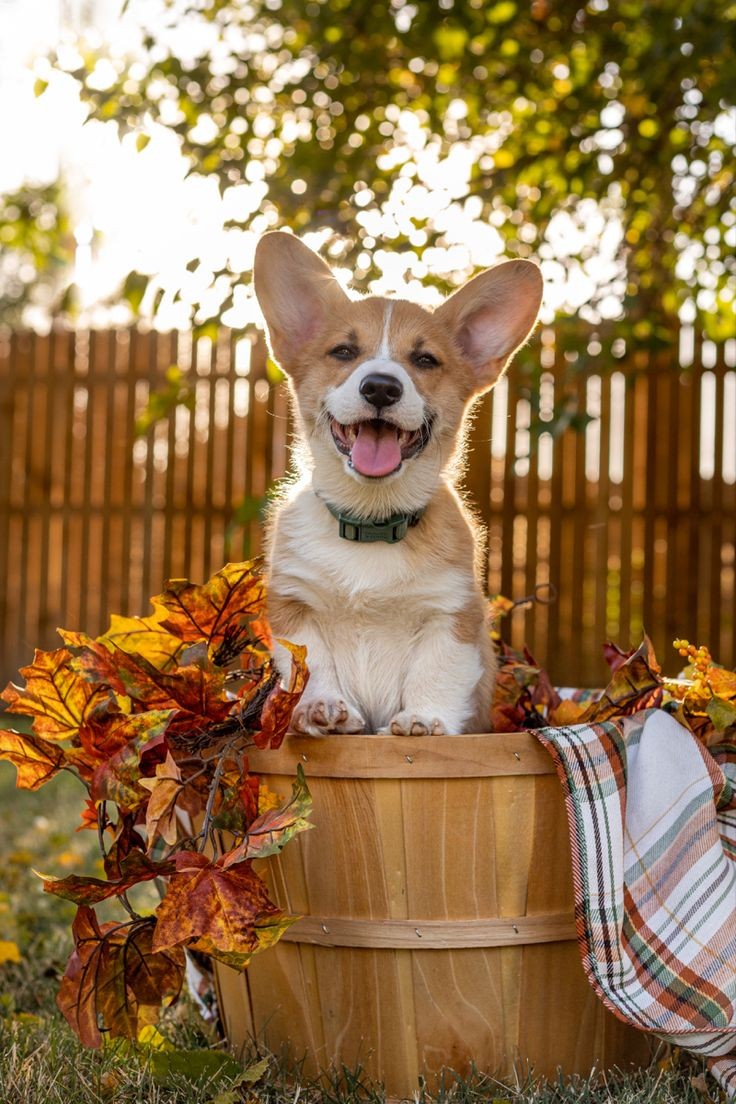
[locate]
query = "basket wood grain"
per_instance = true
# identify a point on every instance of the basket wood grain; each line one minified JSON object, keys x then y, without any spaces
{"x":438,"y":922}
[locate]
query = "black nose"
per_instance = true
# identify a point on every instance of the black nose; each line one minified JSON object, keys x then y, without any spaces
{"x":381,"y":390}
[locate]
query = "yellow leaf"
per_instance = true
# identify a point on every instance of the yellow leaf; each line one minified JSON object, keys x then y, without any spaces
{"x":150,"y":1036}
{"x":267,"y":799}
{"x":144,"y":636}
{"x":9,"y":951}
{"x":567,"y":713}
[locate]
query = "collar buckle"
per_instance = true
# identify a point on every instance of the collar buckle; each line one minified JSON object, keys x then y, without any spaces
{"x":370,"y":530}
{"x":391,"y":531}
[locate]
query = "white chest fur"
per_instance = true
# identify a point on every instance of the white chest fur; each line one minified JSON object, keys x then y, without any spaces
{"x":370,"y":611}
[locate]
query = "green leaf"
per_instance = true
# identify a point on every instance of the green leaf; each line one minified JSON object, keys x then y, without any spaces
{"x":273,"y":830}
{"x":177,"y":391}
{"x":134,"y":289}
{"x":195,"y":1065}
{"x":274,"y":372}
{"x":249,"y":1076}
{"x":250,"y":509}
{"x":722,"y":713}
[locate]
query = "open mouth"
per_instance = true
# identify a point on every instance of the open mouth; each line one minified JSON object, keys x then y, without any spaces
{"x":377,"y":448}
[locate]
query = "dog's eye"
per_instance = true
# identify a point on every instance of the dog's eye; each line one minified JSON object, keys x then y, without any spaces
{"x":343,"y":352}
{"x":424,"y":360}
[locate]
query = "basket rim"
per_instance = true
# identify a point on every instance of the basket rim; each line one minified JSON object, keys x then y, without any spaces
{"x":472,"y":755}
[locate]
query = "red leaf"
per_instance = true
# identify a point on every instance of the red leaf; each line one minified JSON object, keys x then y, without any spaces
{"x":225,"y":913}
{"x":135,"y":868}
{"x":636,"y":684}
{"x":35,"y":760}
{"x":209,"y":612}
{"x":88,"y":816}
{"x":238,"y":807}
{"x":117,"y":780}
{"x":196,"y":689}
{"x":127,"y":839}
{"x":282,"y":701}
{"x":114,"y":976}
{"x":614,"y":656}
{"x":107,"y":733}
{"x":507,"y":718}
{"x":524,"y":695}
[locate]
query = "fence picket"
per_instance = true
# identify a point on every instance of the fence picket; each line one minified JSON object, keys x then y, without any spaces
{"x":92,"y":519}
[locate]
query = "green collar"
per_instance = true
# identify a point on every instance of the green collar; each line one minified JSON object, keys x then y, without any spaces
{"x":368,"y":530}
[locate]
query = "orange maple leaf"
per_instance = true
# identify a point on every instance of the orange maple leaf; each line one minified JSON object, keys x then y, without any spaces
{"x":58,"y":699}
{"x":35,"y":760}
{"x":568,"y":712}
{"x":235,"y":594}
{"x":225,"y":913}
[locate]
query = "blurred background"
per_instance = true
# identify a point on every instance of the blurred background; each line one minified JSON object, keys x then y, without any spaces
{"x":145,"y":147}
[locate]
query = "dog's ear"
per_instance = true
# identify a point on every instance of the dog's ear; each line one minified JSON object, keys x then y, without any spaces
{"x":492,"y":315}
{"x":296,"y":292}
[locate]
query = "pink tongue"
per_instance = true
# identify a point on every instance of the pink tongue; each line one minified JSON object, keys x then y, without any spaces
{"x":376,"y":450}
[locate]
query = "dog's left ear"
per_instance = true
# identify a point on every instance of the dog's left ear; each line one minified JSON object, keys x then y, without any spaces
{"x":492,"y":315}
{"x":297,"y":293}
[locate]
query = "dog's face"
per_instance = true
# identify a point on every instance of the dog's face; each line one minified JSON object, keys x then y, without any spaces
{"x":383,"y":385}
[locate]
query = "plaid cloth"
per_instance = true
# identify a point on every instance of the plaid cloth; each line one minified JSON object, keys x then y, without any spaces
{"x":652,"y":817}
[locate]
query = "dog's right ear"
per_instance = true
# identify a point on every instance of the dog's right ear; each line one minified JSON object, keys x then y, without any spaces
{"x":296,"y":292}
{"x":492,"y":316}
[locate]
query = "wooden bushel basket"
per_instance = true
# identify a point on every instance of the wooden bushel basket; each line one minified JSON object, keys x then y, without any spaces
{"x":438,"y":921}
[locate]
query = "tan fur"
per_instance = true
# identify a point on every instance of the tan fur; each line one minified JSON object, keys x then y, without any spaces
{"x":396,"y":633}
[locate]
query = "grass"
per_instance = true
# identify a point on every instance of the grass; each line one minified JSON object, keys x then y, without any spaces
{"x":42,"y":1062}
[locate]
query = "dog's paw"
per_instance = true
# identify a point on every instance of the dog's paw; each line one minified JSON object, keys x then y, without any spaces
{"x":325,"y":716}
{"x":408,"y":723}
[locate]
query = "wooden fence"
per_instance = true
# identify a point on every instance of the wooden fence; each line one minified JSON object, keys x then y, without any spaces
{"x":633,"y":518}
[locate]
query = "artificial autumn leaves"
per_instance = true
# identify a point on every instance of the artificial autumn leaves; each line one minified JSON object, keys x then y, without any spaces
{"x":155,"y":718}
{"x":702,"y":699}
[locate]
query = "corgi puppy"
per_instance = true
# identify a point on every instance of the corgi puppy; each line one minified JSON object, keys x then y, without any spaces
{"x":373,"y":560}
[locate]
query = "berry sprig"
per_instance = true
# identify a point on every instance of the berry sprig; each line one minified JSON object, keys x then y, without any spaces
{"x":695,"y":684}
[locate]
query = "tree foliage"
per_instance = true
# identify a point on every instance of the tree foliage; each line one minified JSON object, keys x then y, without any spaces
{"x":36,"y":251}
{"x":400,"y":125}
